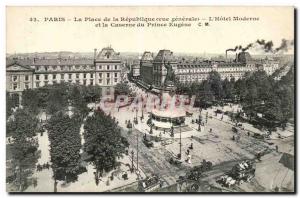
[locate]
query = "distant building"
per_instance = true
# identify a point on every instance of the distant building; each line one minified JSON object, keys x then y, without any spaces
{"x":135,"y":68}
{"x":146,"y":67}
{"x":187,"y":71}
{"x":104,"y":70}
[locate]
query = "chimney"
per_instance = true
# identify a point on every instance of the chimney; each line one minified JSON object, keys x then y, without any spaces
{"x":236,"y":57}
{"x":95,"y":53}
{"x":226,"y":54}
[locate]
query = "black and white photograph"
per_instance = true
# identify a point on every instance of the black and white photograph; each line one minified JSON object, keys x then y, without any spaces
{"x":150,"y":99}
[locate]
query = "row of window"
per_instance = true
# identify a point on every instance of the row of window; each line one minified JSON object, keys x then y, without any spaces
{"x":85,"y":82}
{"x":15,"y":86}
{"x":37,"y":77}
{"x":72,"y":67}
{"x":208,"y":70}
{"x":15,"y":78}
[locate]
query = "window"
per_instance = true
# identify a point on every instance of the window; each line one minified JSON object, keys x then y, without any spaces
{"x":92,"y":76}
{"x":37,"y":84}
{"x":116,"y":75}
{"x":46,"y":82}
{"x":100,"y":66}
{"x":84,"y":67}
{"x":26,"y":77}
{"x":91,"y":82}
{"x":107,"y":75}
{"x":70,"y":76}
{"x":77,"y":67}
{"x":61,"y":76}
{"x":100,"y":81}
{"x":26,"y":85}
{"x":54,"y":76}
{"x":54,"y":67}
{"x":77,"y":81}
{"x":15,"y":86}
{"x":46,"y":68}
{"x":108,"y":81}
{"x":84,"y":82}
{"x":46,"y":77}
{"x":15,"y":78}
{"x":116,"y":80}
{"x":107,"y":67}
{"x":84,"y":75}
{"x":116,"y":67}
{"x":37,"y":68}
{"x":77,"y":75}
{"x":70,"y":68}
{"x":37,"y":77}
{"x":100,"y":75}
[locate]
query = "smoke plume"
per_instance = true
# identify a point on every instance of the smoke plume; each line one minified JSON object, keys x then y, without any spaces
{"x":265,"y":46}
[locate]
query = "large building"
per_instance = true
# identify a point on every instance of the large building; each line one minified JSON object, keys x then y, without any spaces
{"x":146,"y":67}
{"x":153,"y":70}
{"x":104,"y":70}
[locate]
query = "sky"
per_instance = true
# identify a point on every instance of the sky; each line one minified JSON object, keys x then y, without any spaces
{"x":24,"y":36}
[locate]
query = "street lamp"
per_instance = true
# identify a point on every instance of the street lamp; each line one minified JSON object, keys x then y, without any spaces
{"x":132,"y":159}
{"x":180,"y":144}
{"x":199,"y":122}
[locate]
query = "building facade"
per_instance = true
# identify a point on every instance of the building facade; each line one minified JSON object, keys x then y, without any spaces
{"x":188,"y":71}
{"x":104,"y":70}
{"x":146,"y":67}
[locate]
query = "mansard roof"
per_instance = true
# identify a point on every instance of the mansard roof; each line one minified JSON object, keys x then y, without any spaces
{"x":164,"y":55}
{"x":147,"y":56}
{"x":53,"y":62}
{"x":108,"y":53}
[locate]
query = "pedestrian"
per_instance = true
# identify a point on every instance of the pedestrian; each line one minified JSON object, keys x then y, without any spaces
{"x":248,"y":133}
{"x":188,"y":152}
{"x":258,"y":156}
{"x":191,"y":147}
{"x":276,"y":147}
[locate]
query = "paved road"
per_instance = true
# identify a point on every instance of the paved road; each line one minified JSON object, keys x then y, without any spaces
{"x":154,"y":160}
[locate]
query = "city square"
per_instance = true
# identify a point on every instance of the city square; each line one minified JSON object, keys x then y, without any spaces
{"x":161,"y":111}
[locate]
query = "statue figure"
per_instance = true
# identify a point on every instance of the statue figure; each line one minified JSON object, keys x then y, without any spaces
{"x":170,"y":77}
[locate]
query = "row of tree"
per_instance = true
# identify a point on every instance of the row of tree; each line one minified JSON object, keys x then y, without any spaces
{"x":58,"y":97}
{"x":103,"y":143}
{"x":22,"y":148}
{"x":258,"y":93}
{"x":65,"y":145}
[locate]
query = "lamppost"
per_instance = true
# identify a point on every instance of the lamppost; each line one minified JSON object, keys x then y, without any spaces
{"x":137,"y":151}
{"x":180,"y":144}
{"x":132,"y":159}
{"x":200,"y":119}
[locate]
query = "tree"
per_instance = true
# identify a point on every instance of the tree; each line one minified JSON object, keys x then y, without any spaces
{"x":30,"y":100}
{"x":22,"y":149}
{"x":57,"y":100}
{"x":65,"y":144}
{"x":23,"y":153}
{"x":215,"y":82}
{"x":22,"y":123}
{"x":122,"y":89}
{"x":103,"y":142}
{"x":9,"y":105}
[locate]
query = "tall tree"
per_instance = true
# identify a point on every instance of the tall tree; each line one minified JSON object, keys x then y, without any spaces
{"x":103,"y":142}
{"x":65,"y":144}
